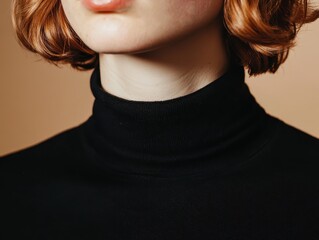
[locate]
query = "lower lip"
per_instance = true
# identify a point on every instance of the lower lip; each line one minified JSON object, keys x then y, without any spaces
{"x":106,"y":5}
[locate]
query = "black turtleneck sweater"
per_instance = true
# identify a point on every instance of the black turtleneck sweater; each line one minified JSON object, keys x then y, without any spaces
{"x":208,"y":165}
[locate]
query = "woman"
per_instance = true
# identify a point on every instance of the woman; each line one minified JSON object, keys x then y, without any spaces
{"x":176,"y":147}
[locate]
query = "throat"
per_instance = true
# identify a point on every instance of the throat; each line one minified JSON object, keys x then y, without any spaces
{"x":206,"y":130}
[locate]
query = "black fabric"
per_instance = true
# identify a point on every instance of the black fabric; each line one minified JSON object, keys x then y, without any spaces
{"x":212,"y":164}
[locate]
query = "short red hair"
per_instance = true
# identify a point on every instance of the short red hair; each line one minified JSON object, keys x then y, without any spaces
{"x":258,"y":33}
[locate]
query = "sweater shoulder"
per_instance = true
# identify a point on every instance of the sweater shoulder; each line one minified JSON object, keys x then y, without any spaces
{"x":295,"y":142}
{"x":43,"y":156}
{"x":291,"y":151}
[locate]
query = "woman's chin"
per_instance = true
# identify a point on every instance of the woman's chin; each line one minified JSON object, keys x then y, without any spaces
{"x":108,"y":43}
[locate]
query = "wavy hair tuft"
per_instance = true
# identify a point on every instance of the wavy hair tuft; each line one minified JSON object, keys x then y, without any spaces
{"x":258,"y":33}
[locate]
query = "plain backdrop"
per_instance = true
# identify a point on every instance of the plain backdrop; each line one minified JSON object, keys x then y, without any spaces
{"x":39,"y":100}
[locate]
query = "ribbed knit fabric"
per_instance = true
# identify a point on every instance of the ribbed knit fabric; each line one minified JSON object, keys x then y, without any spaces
{"x":201,"y":132}
{"x":212,"y":164}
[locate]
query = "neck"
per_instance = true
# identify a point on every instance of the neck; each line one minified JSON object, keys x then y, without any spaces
{"x":216,"y":128}
{"x":175,"y":69}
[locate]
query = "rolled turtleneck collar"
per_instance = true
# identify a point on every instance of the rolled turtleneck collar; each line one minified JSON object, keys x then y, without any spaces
{"x":212,"y":130}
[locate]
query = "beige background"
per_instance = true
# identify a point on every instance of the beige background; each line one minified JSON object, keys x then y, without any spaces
{"x":39,"y":100}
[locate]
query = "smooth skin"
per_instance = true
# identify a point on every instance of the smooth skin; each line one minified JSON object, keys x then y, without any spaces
{"x":154,"y":50}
